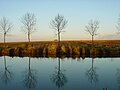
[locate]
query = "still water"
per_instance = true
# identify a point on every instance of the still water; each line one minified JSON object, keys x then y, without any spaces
{"x":59,"y":74}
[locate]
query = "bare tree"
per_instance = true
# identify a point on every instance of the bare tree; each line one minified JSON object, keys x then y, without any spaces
{"x":92,"y":28}
{"x":29,"y":22}
{"x":6,"y":27}
{"x":58,"y":24}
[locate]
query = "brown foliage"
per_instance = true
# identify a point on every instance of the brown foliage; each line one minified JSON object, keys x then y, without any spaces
{"x":68,"y":48}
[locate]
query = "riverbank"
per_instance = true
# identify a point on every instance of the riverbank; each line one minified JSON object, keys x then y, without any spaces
{"x":81,"y":48}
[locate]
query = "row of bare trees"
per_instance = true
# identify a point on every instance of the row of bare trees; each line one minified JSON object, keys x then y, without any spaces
{"x":58,"y":23}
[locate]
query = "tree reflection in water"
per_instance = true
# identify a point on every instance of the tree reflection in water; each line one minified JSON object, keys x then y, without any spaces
{"x":118,"y":77}
{"x":59,"y":77}
{"x":30,"y":79}
{"x":6,"y":75}
{"x":92,"y":73}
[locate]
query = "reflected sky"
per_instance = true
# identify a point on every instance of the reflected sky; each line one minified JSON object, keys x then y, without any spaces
{"x":74,"y":70}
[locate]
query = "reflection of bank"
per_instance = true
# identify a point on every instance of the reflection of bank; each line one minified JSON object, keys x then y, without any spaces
{"x":92,"y":73}
{"x":30,"y":79}
{"x":59,"y":77}
{"x":6,"y":74}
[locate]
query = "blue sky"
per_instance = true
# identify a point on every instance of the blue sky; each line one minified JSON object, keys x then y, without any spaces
{"x":77,"y":12}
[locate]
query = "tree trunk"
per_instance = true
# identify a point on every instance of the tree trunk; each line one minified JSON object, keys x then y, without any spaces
{"x":58,"y":42}
{"x":29,"y":38}
{"x":58,"y":37}
{"x":92,"y":42}
{"x":4,"y":41}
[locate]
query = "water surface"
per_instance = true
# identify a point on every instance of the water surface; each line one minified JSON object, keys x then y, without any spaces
{"x":59,"y":74}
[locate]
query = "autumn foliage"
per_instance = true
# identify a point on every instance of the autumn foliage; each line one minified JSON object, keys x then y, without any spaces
{"x":83,"y":48}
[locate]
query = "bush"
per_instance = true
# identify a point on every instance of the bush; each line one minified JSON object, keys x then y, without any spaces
{"x":62,"y":50}
{"x":100,"y":52}
{"x":93,"y":52}
{"x":52,"y":49}
{"x":76,"y":51}
{"x":0,"y":52}
{"x":11,"y":52}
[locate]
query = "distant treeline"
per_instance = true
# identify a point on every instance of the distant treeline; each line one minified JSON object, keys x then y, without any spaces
{"x":109,"y":48}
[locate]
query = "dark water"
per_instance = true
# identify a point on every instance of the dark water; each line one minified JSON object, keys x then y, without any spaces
{"x":59,"y":74}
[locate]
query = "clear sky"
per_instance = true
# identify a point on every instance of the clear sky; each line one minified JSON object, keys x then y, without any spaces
{"x":77,"y":12}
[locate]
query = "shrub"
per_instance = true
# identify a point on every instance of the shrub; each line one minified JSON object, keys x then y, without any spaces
{"x":0,"y":52}
{"x":52,"y":49}
{"x":100,"y":52}
{"x":5,"y":52}
{"x":93,"y":52}
{"x":62,"y":50}
{"x":83,"y":51}
{"x":41,"y":51}
{"x":75,"y":51}
{"x":11,"y":52}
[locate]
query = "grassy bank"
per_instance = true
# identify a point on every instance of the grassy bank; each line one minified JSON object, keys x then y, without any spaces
{"x":83,"y":48}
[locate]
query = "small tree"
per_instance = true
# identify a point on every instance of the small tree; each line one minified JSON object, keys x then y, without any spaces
{"x":5,"y":27}
{"x":58,"y":24}
{"x":29,"y":22}
{"x":92,"y":28}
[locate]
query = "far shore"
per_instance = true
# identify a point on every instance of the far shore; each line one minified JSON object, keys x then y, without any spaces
{"x":68,"y":48}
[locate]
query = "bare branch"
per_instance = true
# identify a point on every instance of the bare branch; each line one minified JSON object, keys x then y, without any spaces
{"x":58,"y":24}
{"x":5,"y":27}
{"x":92,"y":27}
{"x":29,"y":22}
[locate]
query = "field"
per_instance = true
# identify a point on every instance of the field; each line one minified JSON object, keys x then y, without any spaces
{"x":81,"y":48}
